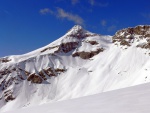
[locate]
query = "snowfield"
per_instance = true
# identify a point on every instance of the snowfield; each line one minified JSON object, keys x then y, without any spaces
{"x":135,"y":99}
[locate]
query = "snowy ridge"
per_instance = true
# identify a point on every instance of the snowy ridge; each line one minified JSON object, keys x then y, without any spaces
{"x":80,"y":63}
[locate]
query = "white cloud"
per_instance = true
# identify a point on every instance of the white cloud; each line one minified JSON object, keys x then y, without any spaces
{"x":74,"y":1}
{"x":61,"y":13}
{"x":103,"y":22}
{"x":46,"y":11}
{"x":69,"y":16}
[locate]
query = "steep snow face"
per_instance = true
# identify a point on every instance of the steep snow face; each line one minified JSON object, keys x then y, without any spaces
{"x":79,"y":63}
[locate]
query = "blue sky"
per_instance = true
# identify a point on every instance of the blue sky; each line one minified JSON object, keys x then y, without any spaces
{"x":26,"y":25}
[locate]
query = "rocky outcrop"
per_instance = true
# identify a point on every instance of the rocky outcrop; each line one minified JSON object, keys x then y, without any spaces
{"x":8,"y":96}
{"x":67,"y":47}
{"x":34,"y":78}
{"x":50,"y":72}
{"x":42,"y":74}
{"x":87,"y":55}
{"x":92,"y":42}
{"x":127,"y":36}
{"x":58,"y":70}
{"x":4,"y":60}
{"x":64,"y":47}
{"x":49,"y":48}
{"x":138,"y":30}
{"x":5,"y":72}
{"x":144,"y":46}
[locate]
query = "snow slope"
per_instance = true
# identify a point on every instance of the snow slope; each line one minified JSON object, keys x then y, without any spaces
{"x":129,"y":100}
{"x":80,"y":63}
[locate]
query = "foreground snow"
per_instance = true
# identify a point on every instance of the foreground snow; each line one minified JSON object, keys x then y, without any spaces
{"x":129,"y":100}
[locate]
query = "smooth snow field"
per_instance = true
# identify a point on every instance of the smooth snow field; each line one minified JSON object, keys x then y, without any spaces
{"x":128,"y":100}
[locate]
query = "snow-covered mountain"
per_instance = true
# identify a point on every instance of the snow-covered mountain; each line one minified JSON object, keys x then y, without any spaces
{"x":79,"y":63}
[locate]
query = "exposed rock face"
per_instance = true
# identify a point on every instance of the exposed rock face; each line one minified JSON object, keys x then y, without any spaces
{"x":8,"y":96}
{"x":127,"y":36}
{"x":22,"y":74}
{"x":140,"y":30}
{"x":144,"y":46}
{"x":67,"y":47}
{"x":63,"y":47}
{"x":87,"y":55}
{"x":49,"y":71}
{"x":42,"y":74}
{"x":49,"y":48}
{"x":4,"y":60}
{"x":59,"y":70}
{"x":93,"y":42}
{"x":5,"y":72}
{"x":34,"y":78}
{"x":25,"y":72}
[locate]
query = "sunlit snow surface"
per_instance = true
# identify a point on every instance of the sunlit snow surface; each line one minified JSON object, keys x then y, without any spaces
{"x":129,"y":100}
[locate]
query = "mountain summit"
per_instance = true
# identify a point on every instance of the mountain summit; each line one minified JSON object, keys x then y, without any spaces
{"x":77,"y":64}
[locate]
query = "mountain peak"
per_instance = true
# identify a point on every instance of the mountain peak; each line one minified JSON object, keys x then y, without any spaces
{"x":78,"y":31}
{"x":77,"y":27}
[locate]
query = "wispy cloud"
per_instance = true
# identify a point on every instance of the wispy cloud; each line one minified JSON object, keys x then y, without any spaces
{"x":111,"y":28}
{"x":69,"y":16}
{"x":61,"y":13}
{"x":46,"y":11}
{"x":95,"y":3}
{"x":74,"y":2}
{"x":103,"y":23}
